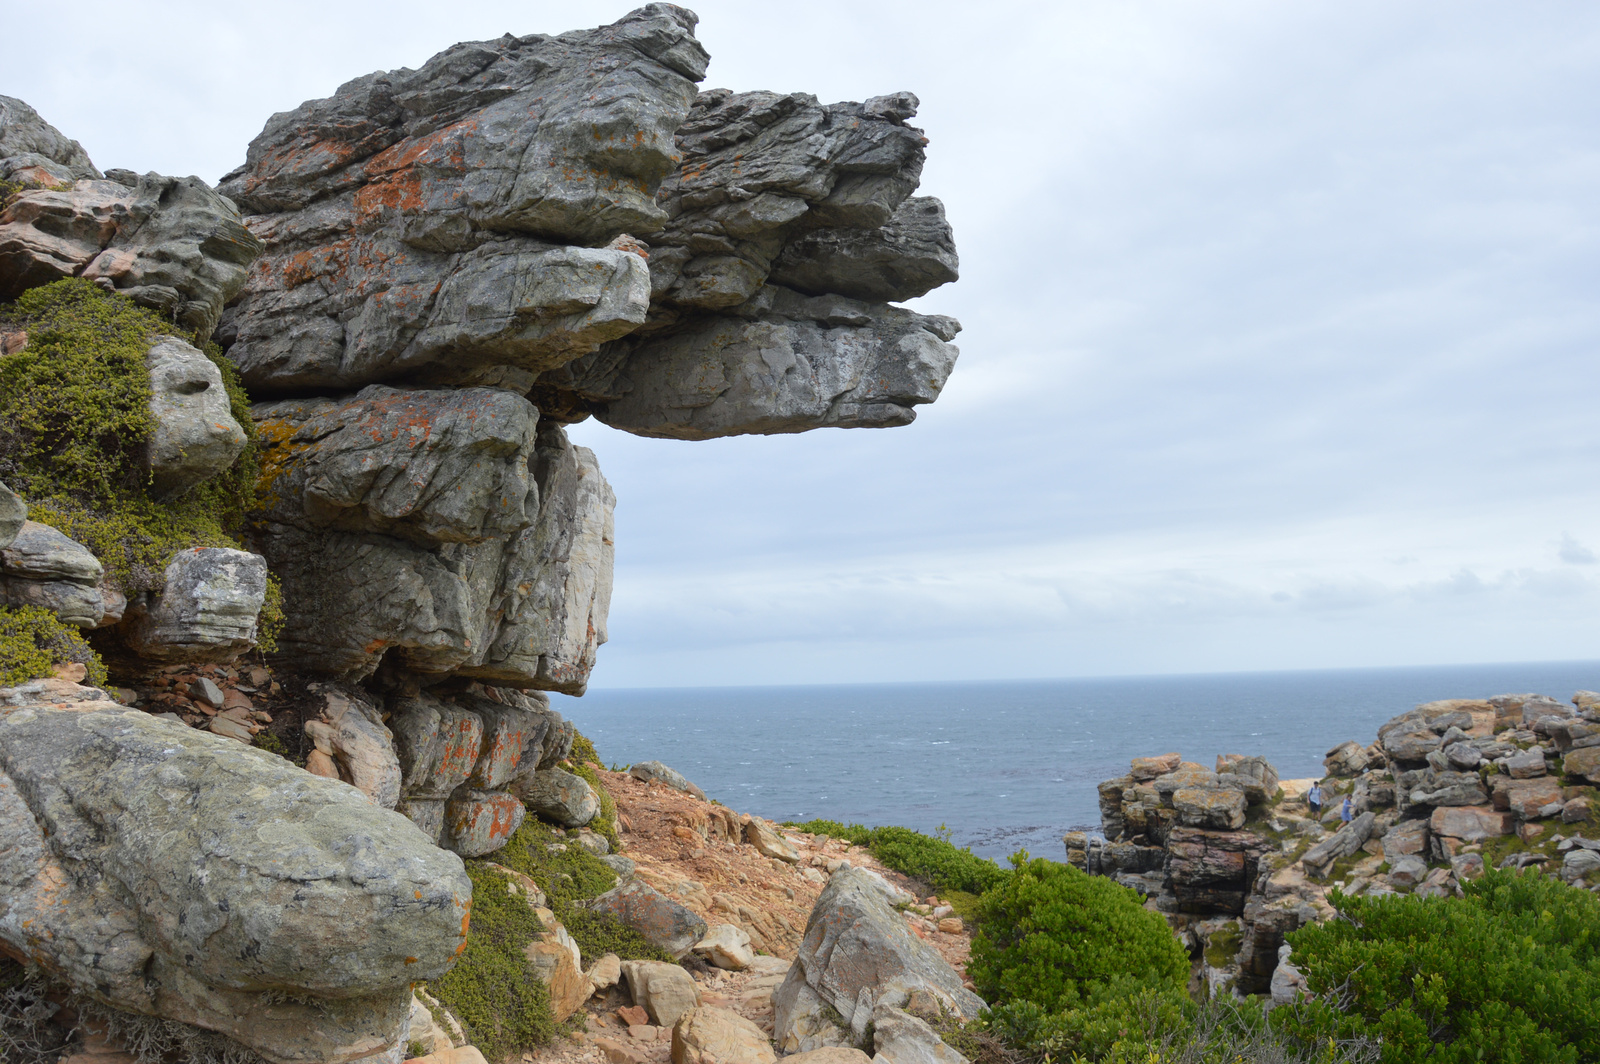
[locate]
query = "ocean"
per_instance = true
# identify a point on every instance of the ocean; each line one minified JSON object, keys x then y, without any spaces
{"x":1009,"y":765}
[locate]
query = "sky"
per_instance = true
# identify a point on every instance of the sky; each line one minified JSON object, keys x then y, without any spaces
{"x":1279,"y":349}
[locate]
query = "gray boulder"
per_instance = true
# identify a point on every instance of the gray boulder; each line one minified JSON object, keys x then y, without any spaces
{"x":857,"y":954}
{"x":559,"y":796}
{"x":164,"y":871}
{"x":196,"y":436}
{"x":13,"y":511}
{"x":416,"y":220}
{"x":172,"y":244}
{"x":663,"y":922}
{"x":655,"y":771}
{"x":665,"y":991}
{"x":779,"y":363}
{"x":1407,"y":871}
{"x":42,"y":567}
{"x":207,"y":609}
{"x":1579,"y":864}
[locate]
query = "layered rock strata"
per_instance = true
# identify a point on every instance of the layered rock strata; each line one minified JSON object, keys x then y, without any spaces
{"x":1237,"y":859}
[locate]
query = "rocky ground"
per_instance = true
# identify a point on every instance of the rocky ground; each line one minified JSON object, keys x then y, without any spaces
{"x":678,"y":847}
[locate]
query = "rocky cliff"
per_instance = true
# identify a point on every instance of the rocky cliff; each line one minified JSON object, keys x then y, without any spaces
{"x":329,"y":434}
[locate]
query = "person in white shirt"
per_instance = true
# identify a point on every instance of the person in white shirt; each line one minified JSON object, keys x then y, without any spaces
{"x":1314,"y":799}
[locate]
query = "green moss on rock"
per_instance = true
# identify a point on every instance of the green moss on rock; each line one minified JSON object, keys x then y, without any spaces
{"x":569,"y":874}
{"x":77,"y":402}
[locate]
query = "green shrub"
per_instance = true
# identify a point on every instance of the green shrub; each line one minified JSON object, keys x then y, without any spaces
{"x":946,"y":866}
{"x":1510,"y":972}
{"x":77,"y":401}
{"x":569,"y":874}
{"x":855,"y":834}
{"x":936,"y":861}
{"x":32,"y":639}
{"x":492,"y":989}
{"x":1064,"y":940}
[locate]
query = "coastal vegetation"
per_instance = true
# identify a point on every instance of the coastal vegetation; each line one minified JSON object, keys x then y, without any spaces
{"x":1508,"y":971}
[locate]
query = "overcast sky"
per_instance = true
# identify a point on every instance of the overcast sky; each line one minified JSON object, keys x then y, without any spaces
{"x":1280,"y":329}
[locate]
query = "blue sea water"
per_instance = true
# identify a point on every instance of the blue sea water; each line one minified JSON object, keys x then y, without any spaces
{"x":1009,"y":765}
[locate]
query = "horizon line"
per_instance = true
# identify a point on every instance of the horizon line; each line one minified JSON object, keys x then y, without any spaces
{"x":1096,"y":677}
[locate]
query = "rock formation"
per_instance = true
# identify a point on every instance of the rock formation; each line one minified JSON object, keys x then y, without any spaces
{"x":1237,"y":859}
{"x":422,"y":280}
{"x":169,"y":872}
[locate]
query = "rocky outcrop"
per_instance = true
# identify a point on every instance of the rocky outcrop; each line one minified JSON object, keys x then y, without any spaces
{"x":417,"y":223}
{"x":857,"y":955}
{"x":168,"y":872}
{"x":1237,"y":860}
{"x":454,"y":263}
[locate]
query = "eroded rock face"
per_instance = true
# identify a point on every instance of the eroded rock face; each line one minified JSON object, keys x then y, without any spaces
{"x":782,"y":210}
{"x":168,"y":872}
{"x":196,"y":436}
{"x":170,"y":243}
{"x":416,"y":221}
{"x":445,"y":526}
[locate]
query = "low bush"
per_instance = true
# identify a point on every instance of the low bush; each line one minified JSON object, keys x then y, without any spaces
{"x":1508,"y":972}
{"x":936,"y":861}
{"x":1062,"y":940}
{"x":33,"y":639}
{"x":569,"y":874}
